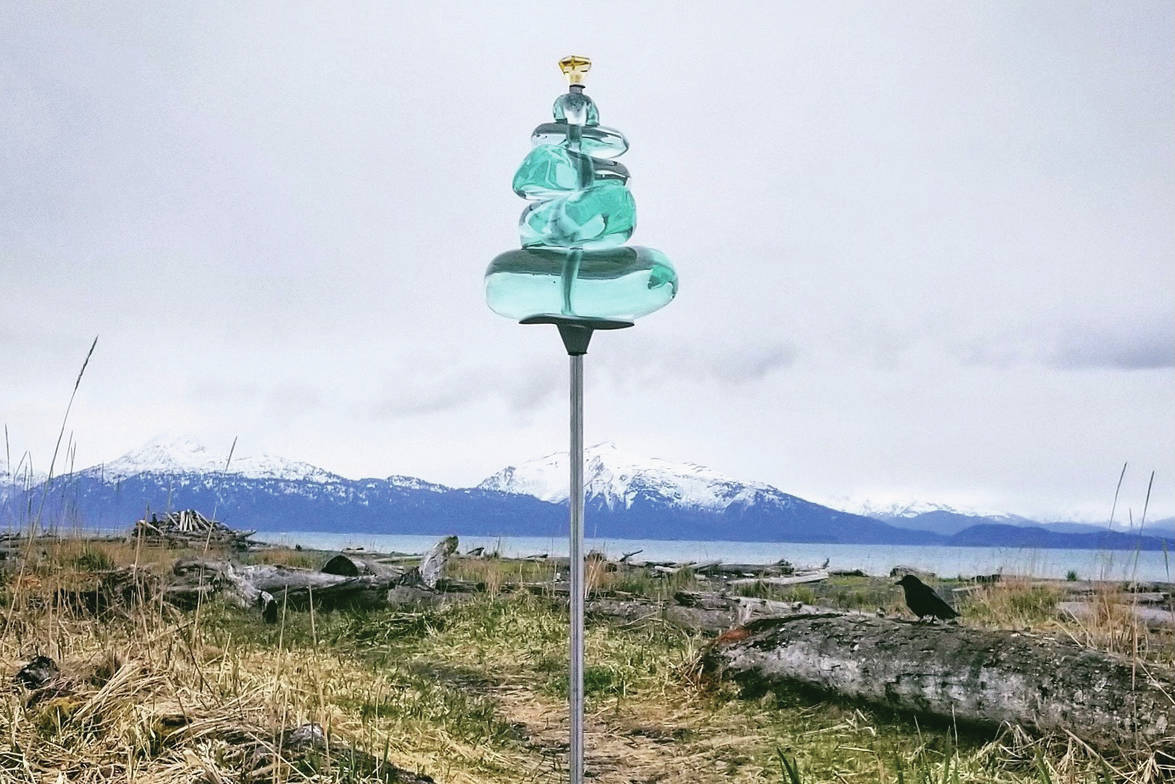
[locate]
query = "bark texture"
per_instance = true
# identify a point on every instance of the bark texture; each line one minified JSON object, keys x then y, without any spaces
{"x":349,"y":565}
{"x":955,"y":673}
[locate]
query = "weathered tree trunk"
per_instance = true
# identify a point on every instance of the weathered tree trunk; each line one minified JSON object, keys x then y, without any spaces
{"x":432,"y":566}
{"x":268,"y":586}
{"x":956,"y":673}
{"x":818,"y":576}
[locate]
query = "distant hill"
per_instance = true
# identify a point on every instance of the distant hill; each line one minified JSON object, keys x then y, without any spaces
{"x":1034,"y":537}
{"x":948,"y":522}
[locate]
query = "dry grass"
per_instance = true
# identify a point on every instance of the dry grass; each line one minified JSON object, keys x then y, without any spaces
{"x":467,"y":693}
{"x":493,"y":573}
{"x":288,"y":556}
{"x":1113,"y":626}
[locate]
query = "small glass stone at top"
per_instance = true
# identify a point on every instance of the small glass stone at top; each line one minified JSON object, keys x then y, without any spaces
{"x":575,"y":108}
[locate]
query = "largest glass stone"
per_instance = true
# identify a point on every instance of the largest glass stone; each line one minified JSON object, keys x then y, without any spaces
{"x":614,"y":283}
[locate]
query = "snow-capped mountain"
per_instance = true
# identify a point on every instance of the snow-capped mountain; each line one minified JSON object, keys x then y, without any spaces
{"x":186,"y":455}
{"x":921,"y":515}
{"x":898,"y":508}
{"x":616,"y":479}
{"x":642,"y":497}
{"x":21,"y":478}
{"x":413,"y":483}
{"x":628,"y":497}
{"x":269,"y":493}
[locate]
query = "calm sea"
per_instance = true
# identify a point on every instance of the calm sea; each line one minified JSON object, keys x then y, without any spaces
{"x":871,"y":558}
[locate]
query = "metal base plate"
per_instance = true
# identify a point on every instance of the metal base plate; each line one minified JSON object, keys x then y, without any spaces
{"x":576,"y":331}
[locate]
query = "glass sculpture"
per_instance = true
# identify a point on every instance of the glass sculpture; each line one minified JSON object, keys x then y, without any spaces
{"x":573,"y":262}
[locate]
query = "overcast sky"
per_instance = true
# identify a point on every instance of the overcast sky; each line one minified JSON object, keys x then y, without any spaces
{"x":926,"y":250}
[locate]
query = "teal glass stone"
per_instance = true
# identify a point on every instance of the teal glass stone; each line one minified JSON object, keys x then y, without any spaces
{"x":604,"y":170}
{"x":552,"y":169}
{"x":573,"y":260}
{"x":576,"y":109}
{"x":597,"y":141}
{"x":616,"y":283}
{"x":601,"y":216}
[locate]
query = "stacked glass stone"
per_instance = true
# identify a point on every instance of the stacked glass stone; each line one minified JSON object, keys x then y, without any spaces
{"x":573,"y":262}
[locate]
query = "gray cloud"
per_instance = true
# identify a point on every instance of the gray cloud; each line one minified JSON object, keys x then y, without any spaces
{"x":428,"y":394}
{"x":426,"y":391}
{"x":1134,"y":343}
{"x":750,"y":363}
{"x":728,"y":361}
{"x":1133,"y":347}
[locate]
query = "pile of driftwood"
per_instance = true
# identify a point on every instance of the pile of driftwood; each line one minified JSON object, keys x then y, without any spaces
{"x":189,"y":528}
{"x":345,"y":580}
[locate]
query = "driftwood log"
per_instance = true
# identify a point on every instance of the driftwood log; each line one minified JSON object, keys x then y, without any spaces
{"x":742,"y":569}
{"x":432,"y":566}
{"x":959,"y":674}
{"x":795,"y":579}
{"x":695,"y":610}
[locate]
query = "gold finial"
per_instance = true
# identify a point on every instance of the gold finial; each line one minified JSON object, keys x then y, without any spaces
{"x":574,"y":66}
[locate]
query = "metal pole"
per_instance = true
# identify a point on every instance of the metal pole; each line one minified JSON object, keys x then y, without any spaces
{"x":575,"y":686}
{"x":576,"y":332}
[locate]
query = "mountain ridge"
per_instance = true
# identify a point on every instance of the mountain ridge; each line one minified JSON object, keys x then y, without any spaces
{"x":627,"y":496}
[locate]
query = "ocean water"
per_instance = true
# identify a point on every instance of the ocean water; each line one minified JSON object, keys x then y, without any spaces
{"x":871,"y":559}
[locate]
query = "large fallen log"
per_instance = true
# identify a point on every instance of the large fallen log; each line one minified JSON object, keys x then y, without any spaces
{"x":958,"y":674}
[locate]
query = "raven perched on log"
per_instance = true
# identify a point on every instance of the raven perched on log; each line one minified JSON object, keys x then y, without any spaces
{"x":923,"y":601}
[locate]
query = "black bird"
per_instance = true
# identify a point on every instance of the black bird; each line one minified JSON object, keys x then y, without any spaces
{"x":923,"y":601}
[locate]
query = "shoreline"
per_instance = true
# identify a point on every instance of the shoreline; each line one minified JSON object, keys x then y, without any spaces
{"x":873,"y":559}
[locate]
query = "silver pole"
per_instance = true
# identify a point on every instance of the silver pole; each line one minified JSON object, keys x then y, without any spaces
{"x":575,"y":686}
